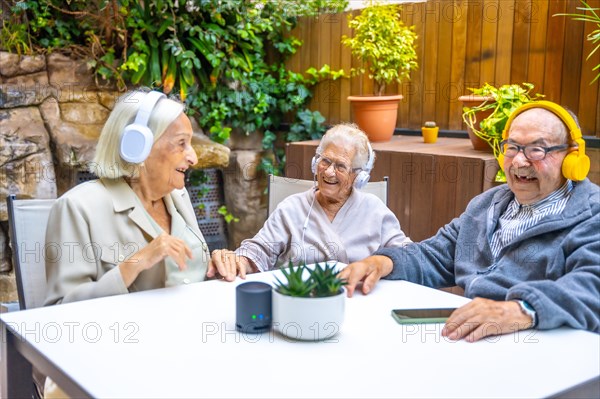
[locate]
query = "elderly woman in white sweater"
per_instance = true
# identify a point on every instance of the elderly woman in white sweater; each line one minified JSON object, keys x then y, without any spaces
{"x":334,"y":221}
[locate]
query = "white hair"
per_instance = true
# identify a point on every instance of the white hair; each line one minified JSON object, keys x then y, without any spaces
{"x":348,"y":134}
{"x":107,"y":161}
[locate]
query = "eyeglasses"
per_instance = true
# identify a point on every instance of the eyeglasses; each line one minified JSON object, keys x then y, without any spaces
{"x":531,"y":152}
{"x":325,"y":163}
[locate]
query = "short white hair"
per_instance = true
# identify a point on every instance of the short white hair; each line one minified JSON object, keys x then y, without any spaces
{"x":348,"y":134}
{"x":107,"y":161}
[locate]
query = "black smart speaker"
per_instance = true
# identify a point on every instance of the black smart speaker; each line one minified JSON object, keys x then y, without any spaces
{"x":253,"y":307}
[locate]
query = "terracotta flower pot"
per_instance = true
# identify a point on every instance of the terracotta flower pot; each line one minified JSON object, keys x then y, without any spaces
{"x":473,"y":101}
{"x":376,"y":115}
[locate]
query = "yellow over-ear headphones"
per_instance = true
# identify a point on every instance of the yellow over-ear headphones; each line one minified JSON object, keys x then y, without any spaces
{"x":576,"y":164}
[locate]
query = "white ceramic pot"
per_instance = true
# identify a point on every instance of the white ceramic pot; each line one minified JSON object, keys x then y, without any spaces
{"x":308,"y":319}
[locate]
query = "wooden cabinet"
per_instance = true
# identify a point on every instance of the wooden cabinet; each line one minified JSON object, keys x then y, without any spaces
{"x":430,"y":184}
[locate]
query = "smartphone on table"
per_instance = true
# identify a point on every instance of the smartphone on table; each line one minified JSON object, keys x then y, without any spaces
{"x":422,"y":316}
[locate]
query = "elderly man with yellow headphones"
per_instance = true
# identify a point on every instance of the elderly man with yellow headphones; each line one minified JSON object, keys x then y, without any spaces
{"x":527,"y":251}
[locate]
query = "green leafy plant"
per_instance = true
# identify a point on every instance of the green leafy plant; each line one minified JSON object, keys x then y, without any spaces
{"x":228,"y":216}
{"x":503,"y":101}
{"x":322,"y":281}
{"x":383,"y":43}
{"x":225,"y":59}
{"x":589,"y":14}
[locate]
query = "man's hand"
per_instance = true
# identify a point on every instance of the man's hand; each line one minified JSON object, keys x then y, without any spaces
{"x":368,"y":270}
{"x":484,"y":317}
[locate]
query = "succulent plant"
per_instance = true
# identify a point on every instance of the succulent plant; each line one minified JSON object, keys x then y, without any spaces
{"x":322,"y":281}
{"x":430,"y":124}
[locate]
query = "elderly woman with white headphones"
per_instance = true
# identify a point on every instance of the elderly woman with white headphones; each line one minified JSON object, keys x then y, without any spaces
{"x":134,"y":228}
{"x":332,"y":221}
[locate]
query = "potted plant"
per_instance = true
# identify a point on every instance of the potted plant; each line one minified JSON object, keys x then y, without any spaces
{"x":309,"y":305}
{"x":486,"y":112}
{"x":430,"y":132}
{"x":386,"y":49}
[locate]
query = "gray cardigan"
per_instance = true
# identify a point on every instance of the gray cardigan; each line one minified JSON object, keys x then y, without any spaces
{"x":554,"y":266}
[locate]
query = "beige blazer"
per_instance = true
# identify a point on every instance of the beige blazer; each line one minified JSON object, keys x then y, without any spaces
{"x":94,"y":227}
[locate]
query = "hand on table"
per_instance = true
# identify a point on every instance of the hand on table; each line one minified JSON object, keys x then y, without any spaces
{"x":228,"y":265}
{"x":369,"y":270}
{"x":484,"y":317}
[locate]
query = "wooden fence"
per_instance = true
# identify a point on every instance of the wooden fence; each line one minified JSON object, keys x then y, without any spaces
{"x":462,"y":44}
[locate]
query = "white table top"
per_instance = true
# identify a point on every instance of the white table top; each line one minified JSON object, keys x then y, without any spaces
{"x":181,"y":342}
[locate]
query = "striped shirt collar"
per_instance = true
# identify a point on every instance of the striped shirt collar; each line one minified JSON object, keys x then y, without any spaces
{"x":544,"y":203}
{"x":518,"y":218}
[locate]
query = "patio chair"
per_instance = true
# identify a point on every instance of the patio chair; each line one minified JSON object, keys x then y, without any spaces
{"x":27,"y":231}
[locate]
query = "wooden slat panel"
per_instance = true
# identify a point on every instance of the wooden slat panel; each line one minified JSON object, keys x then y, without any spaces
{"x":489,"y":33}
{"x":594,"y":175}
{"x":490,"y":170}
{"x":469,"y":183}
{"x":430,"y":61}
{"x":415,"y":86}
{"x":355,"y":82}
{"x":572,"y":57}
{"x":423,"y":189}
{"x":523,"y":16}
{"x":345,"y":64}
{"x":443,"y":81}
{"x":554,"y":50}
{"x":408,"y":12}
{"x":382,"y":166}
{"x":457,"y":63}
{"x":506,"y":17}
{"x":316,"y":55}
{"x":537,"y":48}
{"x":587,"y":114}
{"x":327,"y":92}
{"x":598,"y":114}
{"x":444,"y":199}
{"x":473,"y":56}
{"x":298,"y":158}
{"x":402,"y":170}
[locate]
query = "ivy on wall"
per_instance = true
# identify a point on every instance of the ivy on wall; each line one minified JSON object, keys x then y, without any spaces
{"x":224,"y":58}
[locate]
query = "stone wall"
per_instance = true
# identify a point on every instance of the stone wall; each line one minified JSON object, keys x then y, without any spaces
{"x":51,"y":115}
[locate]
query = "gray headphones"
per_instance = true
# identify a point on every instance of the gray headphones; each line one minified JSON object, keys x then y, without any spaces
{"x":362,"y":178}
{"x":137,"y":138}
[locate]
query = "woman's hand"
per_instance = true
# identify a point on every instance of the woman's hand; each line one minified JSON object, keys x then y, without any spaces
{"x":227,"y":264}
{"x":159,"y":248}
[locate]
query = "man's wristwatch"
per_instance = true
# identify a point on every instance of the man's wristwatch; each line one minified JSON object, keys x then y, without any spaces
{"x":528,"y":310}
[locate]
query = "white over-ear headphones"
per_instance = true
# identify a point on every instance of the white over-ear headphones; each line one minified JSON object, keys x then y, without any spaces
{"x":363,"y":176}
{"x":137,"y":138}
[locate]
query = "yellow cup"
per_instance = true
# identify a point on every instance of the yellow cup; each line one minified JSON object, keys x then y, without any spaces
{"x":430,"y":134}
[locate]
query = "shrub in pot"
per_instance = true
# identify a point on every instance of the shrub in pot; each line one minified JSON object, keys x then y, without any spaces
{"x":386,"y":49}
